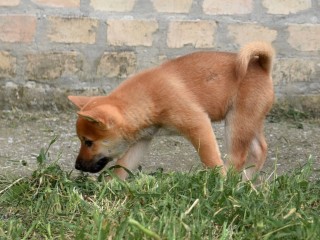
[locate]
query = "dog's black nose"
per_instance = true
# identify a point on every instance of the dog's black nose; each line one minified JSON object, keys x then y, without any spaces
{"x":78,"y":166}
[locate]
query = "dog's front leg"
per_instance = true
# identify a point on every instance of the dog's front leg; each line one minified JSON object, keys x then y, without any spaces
{"x":132,"y":157}
{"x":200,"y":133}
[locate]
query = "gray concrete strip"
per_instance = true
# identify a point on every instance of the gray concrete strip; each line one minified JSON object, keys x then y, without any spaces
{"x":23,"y":134}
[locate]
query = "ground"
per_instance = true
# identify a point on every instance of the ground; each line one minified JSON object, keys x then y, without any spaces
{"x":23,"y":134}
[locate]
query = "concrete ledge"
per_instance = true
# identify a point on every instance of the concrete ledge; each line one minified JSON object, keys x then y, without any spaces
{"x":38,"y":97}
{"x":34,"y":96}
{"x":309,"y":104}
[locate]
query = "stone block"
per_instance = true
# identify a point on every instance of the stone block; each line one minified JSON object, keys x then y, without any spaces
{"x":72,"y":30}
{"x":126,"y":32}
{"x":198,"y":33}
{"x":17,"y":28}
{"x":304,"y":37}
{"x":248,"y":32}
{"x":117,"y":64}
{"x":113,"y":5}
{"x":286,"y":6}
{"x":7,"y":65}
{"x":172,"y":6}
{"x":59,"y":3}
{"x":9,"y":3}
{"x":50,"y":66}
{"x":227,"y":7}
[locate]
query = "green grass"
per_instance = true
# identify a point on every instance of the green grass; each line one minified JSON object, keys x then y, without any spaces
{"x":54,"y":204}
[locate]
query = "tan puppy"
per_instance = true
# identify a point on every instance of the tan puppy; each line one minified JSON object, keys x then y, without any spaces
{"x":183,"y":95}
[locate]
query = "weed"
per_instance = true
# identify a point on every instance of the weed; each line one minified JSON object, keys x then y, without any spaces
{"x":290,"y":114}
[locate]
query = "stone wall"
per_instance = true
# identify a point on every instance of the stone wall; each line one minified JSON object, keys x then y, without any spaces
{"x":50,"y":48}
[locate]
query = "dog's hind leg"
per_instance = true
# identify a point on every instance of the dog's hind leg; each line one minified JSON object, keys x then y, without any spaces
{"x":246,"y":145}
{"x":239,"y":135}
{"x":257,"y":156}
{"x":132,"y":157}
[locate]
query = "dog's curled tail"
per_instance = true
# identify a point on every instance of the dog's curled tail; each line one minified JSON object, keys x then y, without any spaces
{"x":262,"y":51}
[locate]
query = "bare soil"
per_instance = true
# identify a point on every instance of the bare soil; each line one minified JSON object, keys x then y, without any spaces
{"x":23,"y":134}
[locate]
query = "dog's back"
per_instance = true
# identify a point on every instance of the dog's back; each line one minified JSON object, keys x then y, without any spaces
{"x":215,"y":79}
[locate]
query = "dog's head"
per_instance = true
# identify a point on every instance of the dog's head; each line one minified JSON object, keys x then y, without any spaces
{"x":99,"y":128}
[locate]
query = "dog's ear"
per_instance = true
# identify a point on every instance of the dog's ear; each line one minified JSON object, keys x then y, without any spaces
{"x":106,"y":117}
{"x":79,"y":101}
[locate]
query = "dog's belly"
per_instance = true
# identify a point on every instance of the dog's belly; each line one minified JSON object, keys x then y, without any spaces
{"x":167,"y":131}
{"x":153,"y":131}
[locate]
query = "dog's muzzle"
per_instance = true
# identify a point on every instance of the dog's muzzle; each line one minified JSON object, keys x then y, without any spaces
{"x":94,"y":167}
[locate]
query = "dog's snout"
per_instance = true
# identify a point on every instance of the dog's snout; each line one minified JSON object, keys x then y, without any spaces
{"x":92,"y":166}
{"x":100,"y":164}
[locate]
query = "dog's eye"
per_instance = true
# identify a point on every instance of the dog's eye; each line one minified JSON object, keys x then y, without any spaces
{"x":88,"y":143}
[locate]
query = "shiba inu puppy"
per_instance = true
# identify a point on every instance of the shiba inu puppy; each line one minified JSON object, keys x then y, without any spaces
{"x":183,"y":95}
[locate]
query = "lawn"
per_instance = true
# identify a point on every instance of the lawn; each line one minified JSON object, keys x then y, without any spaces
{"x":55,"y":204}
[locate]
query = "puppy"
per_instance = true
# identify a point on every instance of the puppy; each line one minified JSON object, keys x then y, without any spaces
{"x":183,"y":95}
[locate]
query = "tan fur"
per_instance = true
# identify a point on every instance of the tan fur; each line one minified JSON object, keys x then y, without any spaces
{"x":185,"y":94}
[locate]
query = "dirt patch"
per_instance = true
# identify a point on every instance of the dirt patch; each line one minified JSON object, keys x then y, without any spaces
{"x":23,"y":134}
